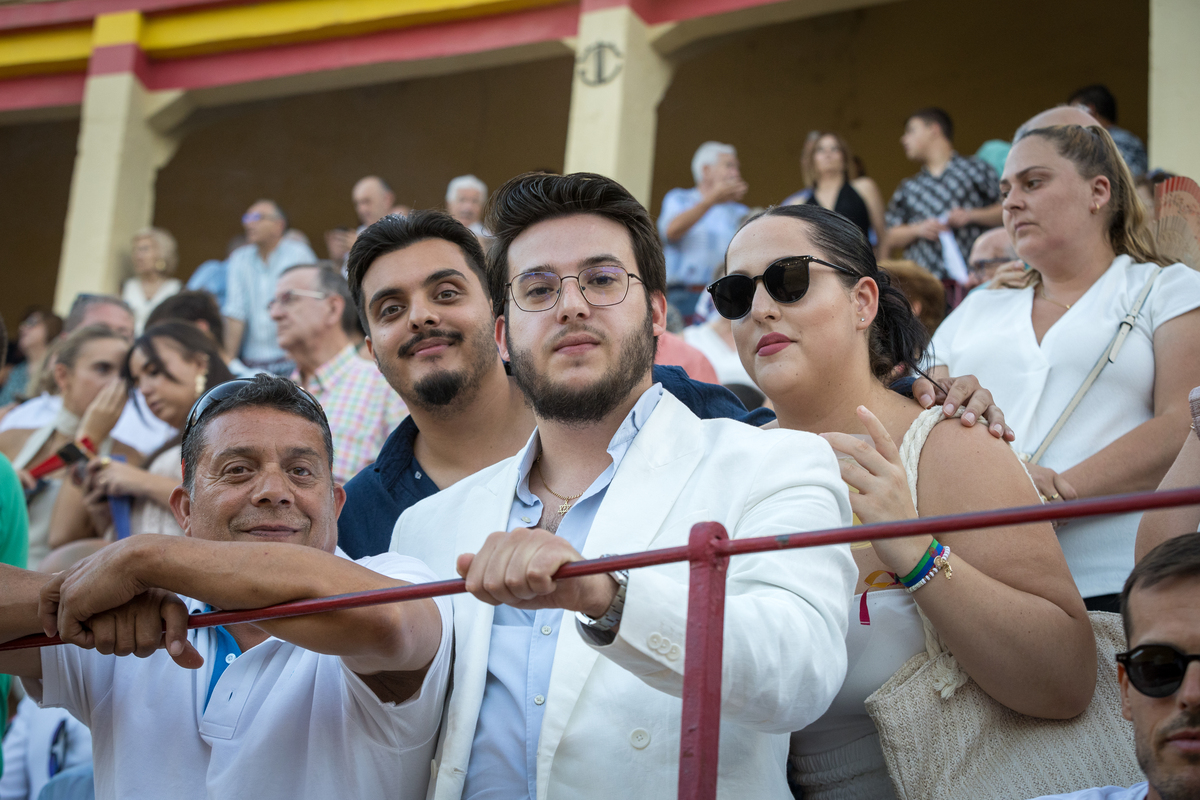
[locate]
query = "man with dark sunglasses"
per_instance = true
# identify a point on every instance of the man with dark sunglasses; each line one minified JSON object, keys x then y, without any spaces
{"x":1160,"y":673}
{"x":340,"y":704}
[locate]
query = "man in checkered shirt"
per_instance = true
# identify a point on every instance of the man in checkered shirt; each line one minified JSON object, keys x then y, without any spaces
{"x":313,"y":314}
{"x":950,"y":193}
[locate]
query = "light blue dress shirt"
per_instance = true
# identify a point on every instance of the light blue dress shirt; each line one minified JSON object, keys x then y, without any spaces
{"x":250,"y":286}
{"x":503,"y":762}
{"x":692,"y":259}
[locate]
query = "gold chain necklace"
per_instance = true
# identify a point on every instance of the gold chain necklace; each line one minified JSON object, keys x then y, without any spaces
{"x":1067,"y":306}
{"x":566,"y":506}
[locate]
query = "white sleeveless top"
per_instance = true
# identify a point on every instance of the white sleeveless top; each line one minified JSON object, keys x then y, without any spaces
{"x":839,"y":757}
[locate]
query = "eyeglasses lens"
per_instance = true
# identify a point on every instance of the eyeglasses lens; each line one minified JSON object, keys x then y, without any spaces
{"x":1156,"y":670}
{"x":786,"y":281}
{"x":601,"y":286}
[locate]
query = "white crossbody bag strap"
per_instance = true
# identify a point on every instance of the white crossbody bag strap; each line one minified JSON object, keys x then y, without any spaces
{"x":1109,"y":356}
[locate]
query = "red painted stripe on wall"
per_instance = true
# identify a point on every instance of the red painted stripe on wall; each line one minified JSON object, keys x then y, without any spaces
{"x":42,"y":91}
{"x":407,"y":44}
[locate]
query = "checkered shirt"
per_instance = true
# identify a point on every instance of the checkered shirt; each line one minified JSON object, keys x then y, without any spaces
{"x":362,"y":409}
{"x":966,"y":183}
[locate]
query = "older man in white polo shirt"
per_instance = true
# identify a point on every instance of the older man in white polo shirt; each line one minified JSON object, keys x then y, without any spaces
{"x":341,"y":704}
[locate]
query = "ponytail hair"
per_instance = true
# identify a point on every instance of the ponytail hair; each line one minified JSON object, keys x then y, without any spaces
{"x":1094,"y":153}
{"x":896,"y":336}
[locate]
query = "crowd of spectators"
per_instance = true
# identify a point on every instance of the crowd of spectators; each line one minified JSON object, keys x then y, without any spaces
{"x":1004,"y":331}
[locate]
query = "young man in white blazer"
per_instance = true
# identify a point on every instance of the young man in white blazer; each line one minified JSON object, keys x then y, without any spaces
{"x":553,"y":705}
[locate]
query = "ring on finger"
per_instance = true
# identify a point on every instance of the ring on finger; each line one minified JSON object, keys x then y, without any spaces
{"x":1055,"y":496}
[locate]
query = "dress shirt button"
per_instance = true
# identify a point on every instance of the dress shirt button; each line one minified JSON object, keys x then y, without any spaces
{"x":539,"y":699}
{"x":547,"y":630}
{"x":639,"y":738}
{"x":655,"y":641}
{"x":229,"y":659}
{"x":673,"y":653}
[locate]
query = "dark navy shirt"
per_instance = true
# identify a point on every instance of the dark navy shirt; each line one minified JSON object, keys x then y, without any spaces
{"x":377,"y":496}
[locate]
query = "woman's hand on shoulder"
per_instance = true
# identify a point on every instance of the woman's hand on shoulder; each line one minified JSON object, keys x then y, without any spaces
{"x":881,"y":489}
{"x":966,"y":393}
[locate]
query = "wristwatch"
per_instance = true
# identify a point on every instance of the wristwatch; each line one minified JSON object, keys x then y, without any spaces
{"x":612,"y":617}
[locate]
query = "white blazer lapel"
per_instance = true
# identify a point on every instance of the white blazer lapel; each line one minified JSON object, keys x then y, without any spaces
{"x":651,"y":476}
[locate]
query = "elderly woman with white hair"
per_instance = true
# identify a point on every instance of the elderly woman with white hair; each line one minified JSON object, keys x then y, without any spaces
{"x":465,"y":197}
{"x":154,"y":256}
{"x":697,"y":224}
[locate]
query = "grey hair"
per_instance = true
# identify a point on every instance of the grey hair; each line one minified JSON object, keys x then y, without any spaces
{"x":168,"y":250}
{"x":331,"y":282}
{"x":465,"y":182}
{"x":707,"y":155}
{"x":85,"y":301}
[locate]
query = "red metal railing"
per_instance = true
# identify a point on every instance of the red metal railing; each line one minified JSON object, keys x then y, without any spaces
{"x":708,"y":552}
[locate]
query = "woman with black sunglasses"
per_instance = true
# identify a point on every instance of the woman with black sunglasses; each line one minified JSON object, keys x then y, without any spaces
{"x":821,"y":329}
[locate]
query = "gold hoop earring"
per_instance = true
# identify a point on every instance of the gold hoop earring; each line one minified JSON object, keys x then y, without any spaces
{"x":201,"y":380}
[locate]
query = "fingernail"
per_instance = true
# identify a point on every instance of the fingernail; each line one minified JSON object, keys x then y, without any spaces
{"x":969,"y":418}
{"x":997,"y":429}
{"x":948,"y":409}
{"x":175,"y":648}
{"x":926,"y":400}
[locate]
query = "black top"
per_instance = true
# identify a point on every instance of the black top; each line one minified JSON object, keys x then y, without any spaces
{"x":850,"y":205}
{"x":380,"y":493}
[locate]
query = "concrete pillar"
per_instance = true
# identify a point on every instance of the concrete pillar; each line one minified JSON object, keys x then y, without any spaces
{"x":619,"y":80}
{"x":1175,"y":86}
{"x":119,"y":154}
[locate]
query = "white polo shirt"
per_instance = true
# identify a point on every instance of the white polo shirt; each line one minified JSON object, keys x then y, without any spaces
{"x":282,"y":722}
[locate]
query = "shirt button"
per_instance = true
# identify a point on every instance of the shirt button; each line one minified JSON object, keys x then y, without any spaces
{"x":654,"y":641}
{"x":639,"y":738}
{"x":547,"y":630}
{"x":526,"y":519}
{"x":229,"y":659}
{"x":539,"y":699}
{"x":418,"y":475}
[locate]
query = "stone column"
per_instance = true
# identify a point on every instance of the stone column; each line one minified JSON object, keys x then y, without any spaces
{"x":1175,"y":86}
{"x":619,"y":80}
{"x":118,"y":158}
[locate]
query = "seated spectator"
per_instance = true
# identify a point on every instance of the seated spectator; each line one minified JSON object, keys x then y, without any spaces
{"x":314,"y":315}
{"x":41,"y":744}
{"x":1071,"y":210}
{"x":951,"y":194}
{"x":373,"y":200}
{"x":200,"y":309}
{"x":154,"y":256}
{"x":341,"y":704}
{"x":465,"y":197}
{"x":1101,"y":104}
{"x":994,"y":262}
{"x":673,"y":350}
{"x":1160,"y":674}
{"x":832,"y":181}
{"x":86,"y":366}
{"x":172,"y":364}
{"x":823,"y":330}
{"x":696,"y":224}
{"x":924,"y":293}
{"x":993,"y":152}
{"x":37,"y":330}
{"x":715,"y":340}
{"x":136,"y":426}
{"x":14,"y":534}
{"x":253,"y":271}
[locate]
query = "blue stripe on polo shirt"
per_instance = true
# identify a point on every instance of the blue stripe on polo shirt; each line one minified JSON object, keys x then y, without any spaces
{"x":227,"y":650}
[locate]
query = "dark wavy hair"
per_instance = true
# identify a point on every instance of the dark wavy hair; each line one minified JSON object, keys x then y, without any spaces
{"x":539,"y":196}
{"x":897,"y":335}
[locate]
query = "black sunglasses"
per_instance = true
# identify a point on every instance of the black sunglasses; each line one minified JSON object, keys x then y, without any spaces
{"x":223,"y":391}
{"x":786,"y":280}
{"x":1156,"y":670}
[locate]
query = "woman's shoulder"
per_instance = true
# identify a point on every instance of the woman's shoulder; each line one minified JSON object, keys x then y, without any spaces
{"x":967,"y":467}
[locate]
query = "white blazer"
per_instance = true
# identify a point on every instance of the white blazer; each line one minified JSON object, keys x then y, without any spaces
{"x":612,"y":719}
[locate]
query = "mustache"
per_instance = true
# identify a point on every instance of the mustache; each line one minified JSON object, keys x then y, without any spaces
{"x":454,"y":337}
{"x":1188,"y":720}
{"x":574,"y":329}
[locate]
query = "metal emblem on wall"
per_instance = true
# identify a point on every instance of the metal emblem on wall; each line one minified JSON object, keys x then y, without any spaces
{"x":599,"y":63}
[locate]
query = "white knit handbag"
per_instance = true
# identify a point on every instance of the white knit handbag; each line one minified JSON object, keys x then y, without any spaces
{"x":944,"y":738}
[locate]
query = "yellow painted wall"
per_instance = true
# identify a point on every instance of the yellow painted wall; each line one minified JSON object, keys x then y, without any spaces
{"x":991,"y":66}
{"x":35,"y":179}
{"x":306,"y":152}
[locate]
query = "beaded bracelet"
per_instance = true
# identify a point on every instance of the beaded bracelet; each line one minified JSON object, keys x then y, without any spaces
{"x":936,"y":560}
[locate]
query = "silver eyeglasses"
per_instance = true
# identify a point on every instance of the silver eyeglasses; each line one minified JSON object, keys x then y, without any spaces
{"x":600,"y":286}
{"x":285,"y":298}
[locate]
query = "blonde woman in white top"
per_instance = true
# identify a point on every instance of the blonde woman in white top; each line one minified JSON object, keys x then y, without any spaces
{"x":820,"y":328}
{"x":1074,"y":217}
{"x":155,"y":256}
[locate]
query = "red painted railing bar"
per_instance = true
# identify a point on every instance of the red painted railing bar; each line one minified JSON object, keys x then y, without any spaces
{"x":1142,"y":501}
{"x":700,"y":735}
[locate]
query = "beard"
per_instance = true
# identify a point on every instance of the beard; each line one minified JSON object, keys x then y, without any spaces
{"x":1184,"y":781}
{"x":585,"y":405}
{"x":443,"y":388}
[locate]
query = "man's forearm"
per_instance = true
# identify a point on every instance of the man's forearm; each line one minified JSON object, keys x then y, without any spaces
{"x":240,"y":575}
{"x":988,"y":217}
{"x":898,"y":238}
{"x":19,"y":602}
{"x":683,"y":223}
{"x":234,"y":329}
